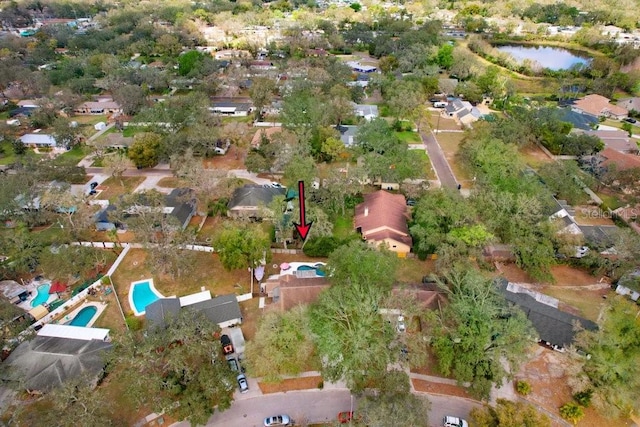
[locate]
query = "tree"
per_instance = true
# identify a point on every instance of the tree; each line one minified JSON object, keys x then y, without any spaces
{"x":572,"y":411}
{"x":351,"y":336}
{"x":613,"y":369}
{"x":261,"y":92}
{"x":562,"y":179}
{"x":130,"y":97}
{"x":478,"y":338}
{"x":115,"y":164}
{"x":242,"y":247}
{"x":146,"y":150}
{"x":395,"y":404}
{"x":179,"y":367}
{"x":444,"y":57}
{"x":282,"y":345}
{"x":189,"y":61}
{"x":66,"y":135}
{"x":300,"y":168}
{"x":509,"y":414}
{"x":332,"y":148}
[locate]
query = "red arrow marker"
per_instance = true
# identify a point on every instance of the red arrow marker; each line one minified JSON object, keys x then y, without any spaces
{"x":303,"y":228}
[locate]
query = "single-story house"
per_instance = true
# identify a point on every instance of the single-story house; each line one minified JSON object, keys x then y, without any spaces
{"x":28,"y":103}
{"x":248,"y":201}
{"x":360,"y":68}
{"x":48,"y":360}
{"x":578,"y":120}
{"x":361,"y":80}
{"x":369,"y":112}
{"x":98,"y":108}
{"x":630,"y":103}
{"x":102,"y":220}
{"x":616,"y":139}
{"x":555,"y":328}
{"x":38,"y":140}
{"x":231,"y":54}
{"x":264,"y":133}
{"x":347,"y":134}
{"x":22,"y":111}
{"x":291,"y":290}
{"x":622,"y":161}
{"x":382,"y":220}
{"x":13,"y":291}
{"x":599,"y":106}
{"x":234,"y":109}
{"x":223,"y":310}
{"x":562,"y":213}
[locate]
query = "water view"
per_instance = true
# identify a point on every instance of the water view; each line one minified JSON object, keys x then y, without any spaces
{"x":553,"y":58}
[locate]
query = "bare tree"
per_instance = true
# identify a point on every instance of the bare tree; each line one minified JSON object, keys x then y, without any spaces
{"x":116,"y":164}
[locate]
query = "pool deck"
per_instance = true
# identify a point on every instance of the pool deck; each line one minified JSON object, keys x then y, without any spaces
{"x":293,"y":266}
{"x":32,"y":287}
{"x":130,"y":296}
{"x":70,"y":316}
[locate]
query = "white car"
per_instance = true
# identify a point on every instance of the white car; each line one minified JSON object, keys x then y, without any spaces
{"x":242,"y":383}
{"x":401,"y":326}
{"x":277,"y":421}
{"x":450,"y":421}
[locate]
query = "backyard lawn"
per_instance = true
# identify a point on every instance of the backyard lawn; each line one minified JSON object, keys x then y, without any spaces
{"x":114,"y":187}
{"x":343,"y":227}
{"x":77,"y":153}
{"x":409,"y":137}
{"x":442,"y":123}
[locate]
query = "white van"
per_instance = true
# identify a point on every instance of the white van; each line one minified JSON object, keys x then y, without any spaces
{"x":440,"y":104}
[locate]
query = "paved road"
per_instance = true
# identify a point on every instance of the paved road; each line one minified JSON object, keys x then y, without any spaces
{"x":317,"y":406}
{"x":438,"y":160}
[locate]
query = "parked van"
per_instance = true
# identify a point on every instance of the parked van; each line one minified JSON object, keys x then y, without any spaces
{"x":440,"y":104}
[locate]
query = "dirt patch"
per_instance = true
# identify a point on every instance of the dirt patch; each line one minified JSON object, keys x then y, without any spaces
{"x":438,"y":388}
{"x":534,"y":156}
{"x":234,"y":159}
{"x":570,"y":276}
{"x":513,"y":273}
{"x":291,"y":384}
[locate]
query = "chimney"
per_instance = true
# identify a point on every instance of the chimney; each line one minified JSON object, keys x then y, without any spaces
{"x":366,"y":211}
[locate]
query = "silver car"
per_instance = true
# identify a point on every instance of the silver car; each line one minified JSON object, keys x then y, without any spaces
{"x":277,"y":421}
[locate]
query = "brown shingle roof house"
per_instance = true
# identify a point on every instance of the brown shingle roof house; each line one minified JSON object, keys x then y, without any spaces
{"x":382,"y":219}
{"x":290,"y":290}
{"x":598,"y":105}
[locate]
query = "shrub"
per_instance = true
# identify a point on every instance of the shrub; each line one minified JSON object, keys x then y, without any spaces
{"x":584,"y":397}
{"x":523,"y":387}
{"x":321,"y":246}
{"x":321,"y":385}
{"x":572,"y":412}
{"x":134,"y":323}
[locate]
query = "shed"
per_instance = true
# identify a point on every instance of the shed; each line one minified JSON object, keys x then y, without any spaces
{"x":38,"y":312}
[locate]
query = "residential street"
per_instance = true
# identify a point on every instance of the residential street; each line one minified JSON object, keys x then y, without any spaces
{"x":316,"y":406}
{"x":438,"y":160}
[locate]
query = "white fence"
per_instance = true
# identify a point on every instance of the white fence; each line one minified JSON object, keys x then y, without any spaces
{"x":244,"y":297}
{"x":199,"y":248}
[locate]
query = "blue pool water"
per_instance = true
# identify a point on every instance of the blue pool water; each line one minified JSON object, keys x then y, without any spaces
{"x":142,"y":296}
{"x":84,"y":316}
{"x":308,"y":267}
{"x":43,"y":295}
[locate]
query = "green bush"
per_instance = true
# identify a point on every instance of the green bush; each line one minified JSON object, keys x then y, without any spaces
{"x":584,"y":397}
{"x":321,"y":385}
{"x":572,"y":412}
{"x":321,"y":246}
{"x":134,"y":323}
{"x":523,"y":387}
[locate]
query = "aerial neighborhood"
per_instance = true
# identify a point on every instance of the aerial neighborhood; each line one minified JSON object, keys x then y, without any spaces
{"x":312,"y":213}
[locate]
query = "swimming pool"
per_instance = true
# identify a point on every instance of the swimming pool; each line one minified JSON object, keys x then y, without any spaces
{"x":84,"y":316}
{"x":315,"y":268}
{"x":43,"y":295}
{"x":141,"y":294}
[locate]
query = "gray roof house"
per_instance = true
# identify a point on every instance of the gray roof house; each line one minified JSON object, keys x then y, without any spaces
{"x":46,"y":362}
{"x":556,"y":328}
{"x":247,"y":201}
{"x":369,"y":112}
{"x":38,"y":140}
{"x":230,"y":108}
{"x":347,"y":134}
{"x":223,"y":310}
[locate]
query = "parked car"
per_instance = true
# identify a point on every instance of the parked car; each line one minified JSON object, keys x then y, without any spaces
{"x":242,"y":383}
{"x":227,"y":347}
{"x":401,"y":326}
{"x":450,"y":421}
{"x":581,"y":251}
{"x":277,"y":421}
{"x":233,"y":364}
{"x":630,"y":120}
{"x":93,"y":185}
{"x":92,"y":192}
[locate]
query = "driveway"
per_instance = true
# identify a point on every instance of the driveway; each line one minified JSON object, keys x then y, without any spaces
{"x":438,"y":160}
{"x":250,"y":176}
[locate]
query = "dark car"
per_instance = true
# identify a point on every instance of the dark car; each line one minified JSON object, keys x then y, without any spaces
{"x":227,"y":347}
{"x":630,"y":120}
{"x":233,"y":364}
{"x":92,"y":192}
{"x":93,"y":185}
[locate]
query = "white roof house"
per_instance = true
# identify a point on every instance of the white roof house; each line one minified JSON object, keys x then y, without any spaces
{"x":73,"y":332}
{"x":39,"y":139}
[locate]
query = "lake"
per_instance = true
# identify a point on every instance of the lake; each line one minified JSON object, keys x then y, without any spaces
{"x":553,"y":58}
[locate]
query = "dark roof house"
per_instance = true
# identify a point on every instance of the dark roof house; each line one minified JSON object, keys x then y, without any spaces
{"x":247,"y":201}
{"x":182,"y":202}
{"x":46,"y":362}
{"x":556,"y":328}
{"x":223,"y":310}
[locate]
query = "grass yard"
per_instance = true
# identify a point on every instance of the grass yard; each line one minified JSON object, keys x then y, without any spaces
{"x":612,"y":201}
{"x":585,"y":303}
{"x":130,"y":131}
{"x":77,"y":153}
{"x":412,"y":270}
{"x":534,"y":156}
{"x":172,"y":182}
{"x":89,"y":120}
{"x":343,"y":227}
{"x":409,"y":137}
{"x":426,"y":168}
{"x":450,"y":143}
{"x":114,"y":187}
{"x":442,"y":123}
{"x":8,"y":156}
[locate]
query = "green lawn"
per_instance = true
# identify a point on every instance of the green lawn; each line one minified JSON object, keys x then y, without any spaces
{"x":426,"y":171}
{"x":77,"y":153}
{"x":130,"y":131}
{"x":343,"y":227}
{"x":409,"y":137}
{"x":611,"y":201}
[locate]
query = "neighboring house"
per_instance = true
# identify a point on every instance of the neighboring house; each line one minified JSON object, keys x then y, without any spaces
{"x":616,"y":139}
{"x":102,"y":220}
{"x":248,"y":201}
{"x":38,"y":140}
{"x":622,"y":161}
{"x":629,"y":284}
{"x":51,"y":358}
{"x":578,"y":120}
{"x":22,"y":111}
{"x":262,"y":134}
{"x":360,"y":68}
{"x":555,"y":328}
{"x":229,"y":108}
{"x":463,"y":111}
{"x":347,"y":134}
{"x":368,"y":112}
{"x":600,"y":236}
{"x":382,"y":220}
{"x":230,"y":54}
{"x":98,"y":108}
{"x":28,"y":103}
{"x":262,"y":65}
{"x":630,"y":103}
{"x":13,"y":291}
{"x":561,"y":212}
{"x":599,"y":106}
{"x":223,"y":310}
{"x":361,"y":80}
